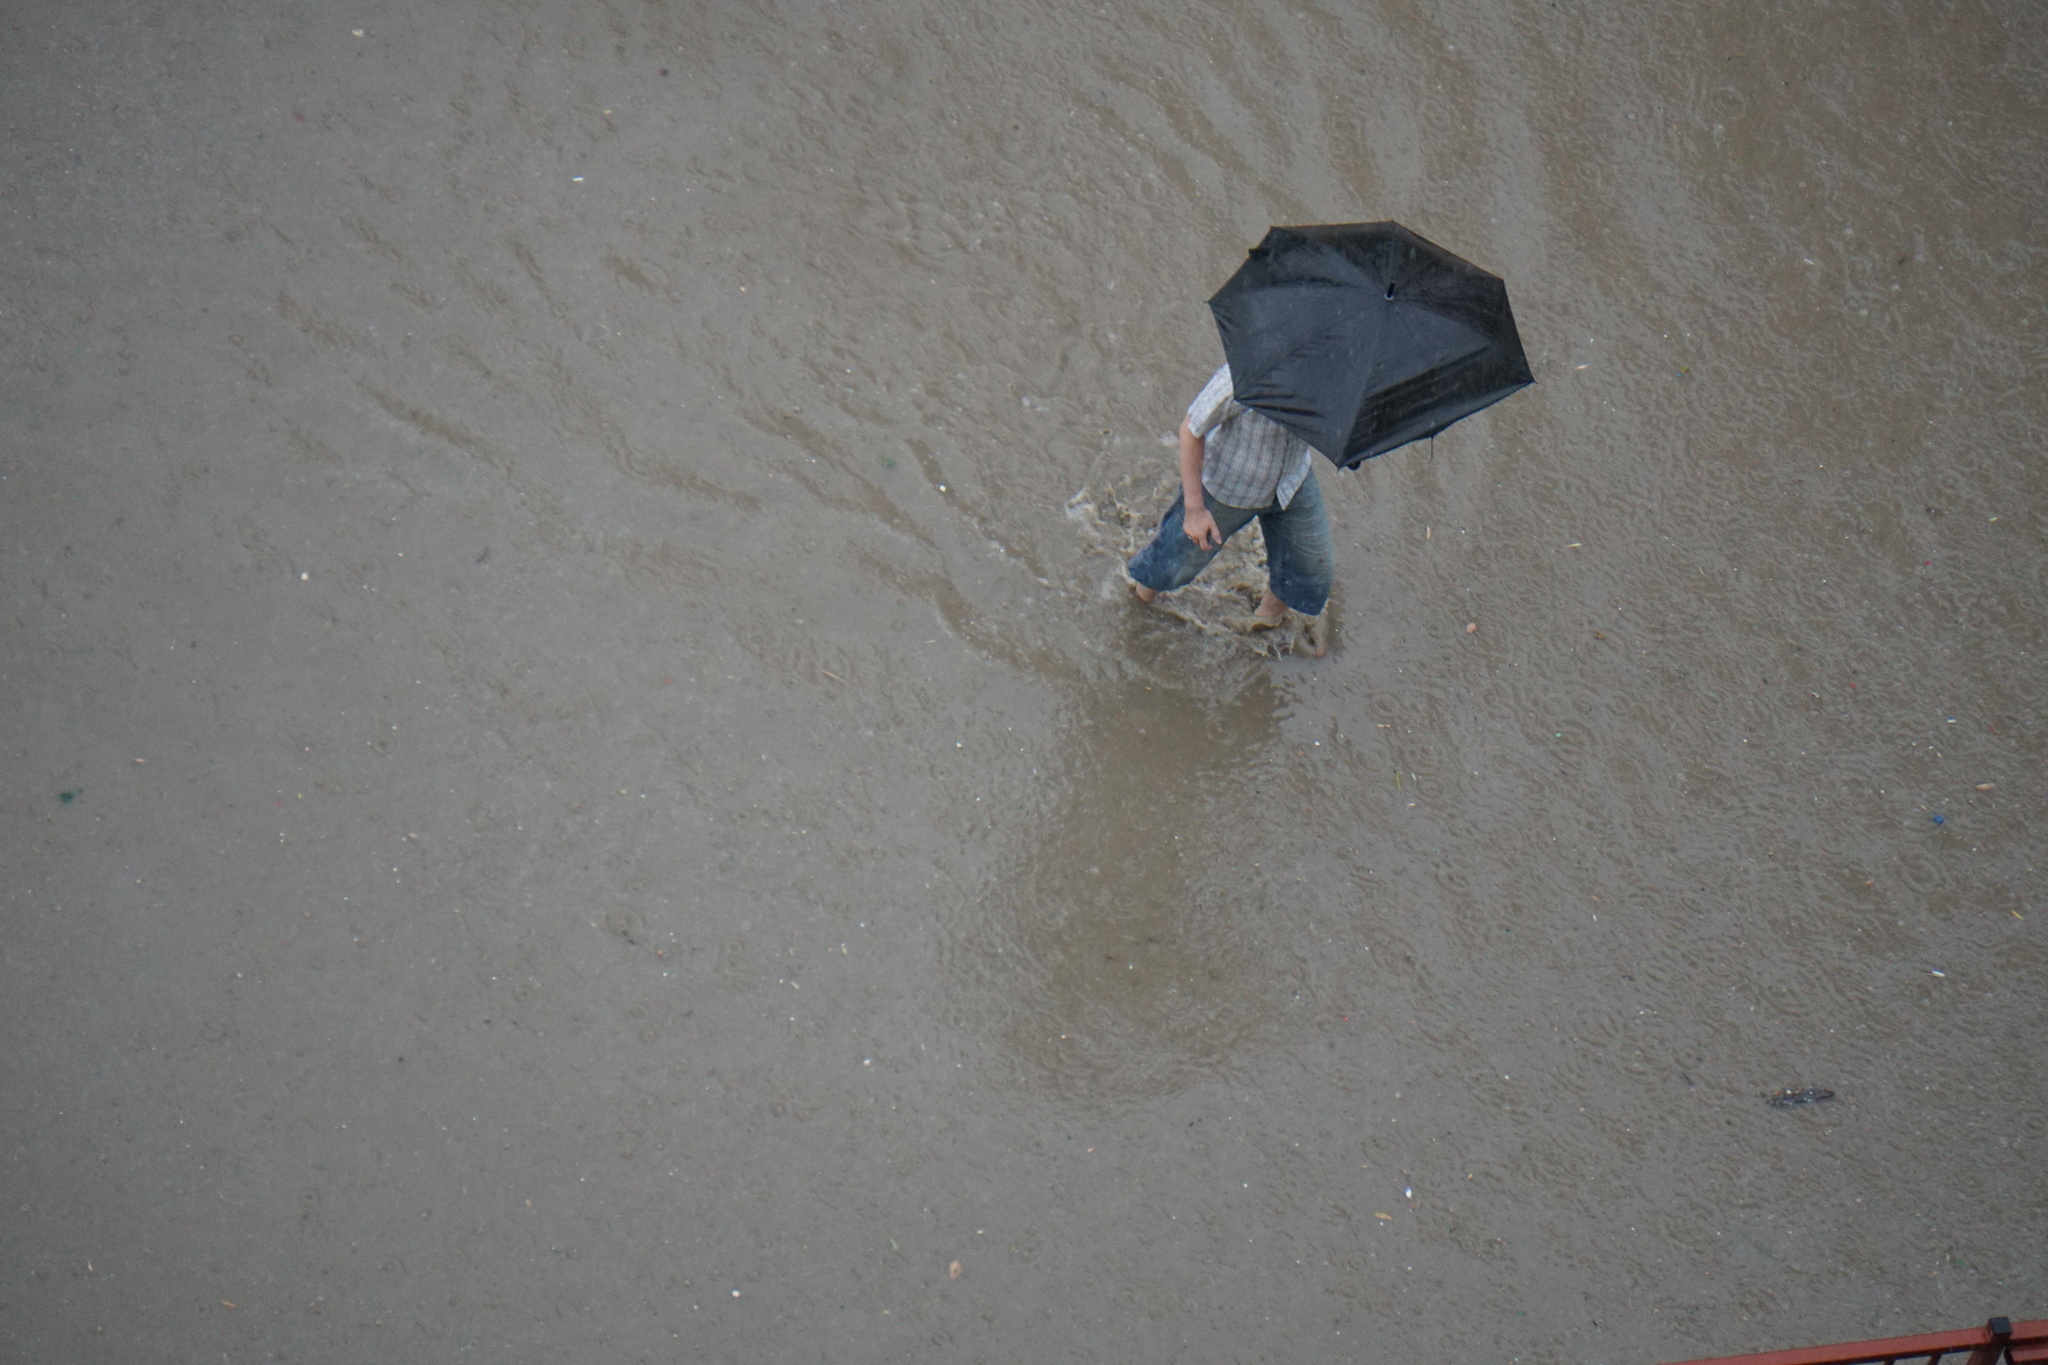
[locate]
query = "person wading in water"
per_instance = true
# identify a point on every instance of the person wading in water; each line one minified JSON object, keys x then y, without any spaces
{"x":1237,"y":464}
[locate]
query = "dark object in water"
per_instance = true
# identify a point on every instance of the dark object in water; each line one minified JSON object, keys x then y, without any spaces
{"x":1805,"y":1094}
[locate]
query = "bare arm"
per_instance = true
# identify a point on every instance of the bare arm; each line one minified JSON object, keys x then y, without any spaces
{"x":1195,"y":519}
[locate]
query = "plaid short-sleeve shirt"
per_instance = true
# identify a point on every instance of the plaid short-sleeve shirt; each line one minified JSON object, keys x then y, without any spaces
{"x":1248,"y":459}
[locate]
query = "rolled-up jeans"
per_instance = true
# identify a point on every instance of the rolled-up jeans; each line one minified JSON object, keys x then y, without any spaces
{"x":1299,"y":555}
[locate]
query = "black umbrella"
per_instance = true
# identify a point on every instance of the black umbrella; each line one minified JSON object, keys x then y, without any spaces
{"x":1361,"y":337}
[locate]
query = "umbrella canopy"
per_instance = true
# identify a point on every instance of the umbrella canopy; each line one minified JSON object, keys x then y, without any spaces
{"x":1361,"y":337}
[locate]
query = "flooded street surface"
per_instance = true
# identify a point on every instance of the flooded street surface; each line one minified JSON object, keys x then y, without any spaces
{"x":575,"y":791}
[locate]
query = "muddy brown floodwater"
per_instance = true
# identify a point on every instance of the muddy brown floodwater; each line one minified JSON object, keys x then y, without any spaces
{"x":576,"y":790}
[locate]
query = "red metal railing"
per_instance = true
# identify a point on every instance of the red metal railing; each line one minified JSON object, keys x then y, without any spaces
{"x":2000,"y":1341}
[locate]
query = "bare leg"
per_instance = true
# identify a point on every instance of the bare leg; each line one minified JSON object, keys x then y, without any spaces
{"x":1315,"y":638}
{"x":1143,"y":593}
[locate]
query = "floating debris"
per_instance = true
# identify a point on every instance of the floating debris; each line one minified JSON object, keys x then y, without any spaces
{"x":1805,"y":1094}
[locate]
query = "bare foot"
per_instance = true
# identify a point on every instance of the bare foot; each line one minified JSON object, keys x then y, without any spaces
{"x":1143,"y":593}
{"x":1315,"y":635}
{"x":1270,"y":612}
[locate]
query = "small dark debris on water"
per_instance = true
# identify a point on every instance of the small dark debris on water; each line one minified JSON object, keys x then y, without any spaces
{"x":1938,"y":818}
{"x":1805,"y":1094}
{"x":482,"y":557}
{"x":68,"y":797}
